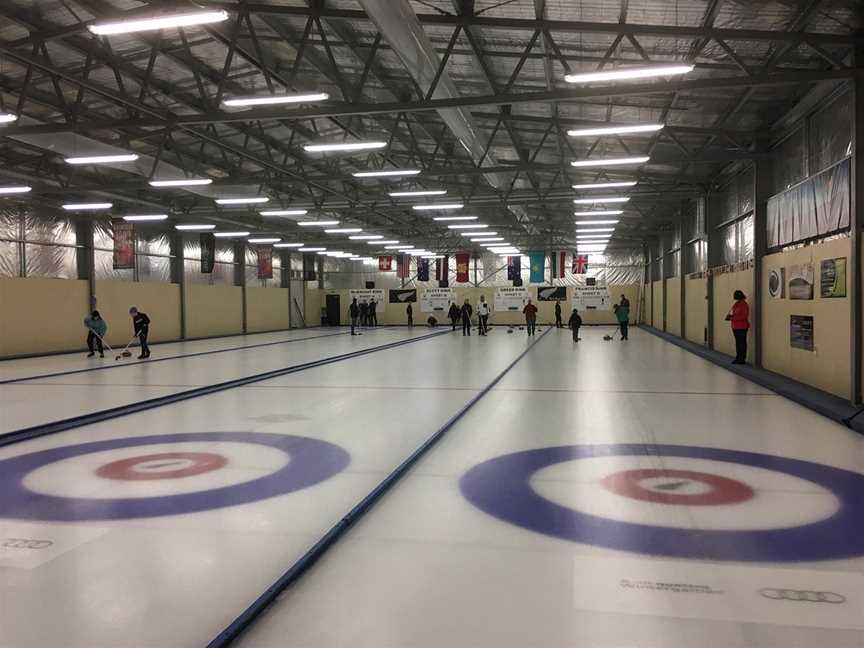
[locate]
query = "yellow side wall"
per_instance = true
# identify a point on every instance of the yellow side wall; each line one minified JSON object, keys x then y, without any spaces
{"x":657,"y":303}
{"x":696,"y":303}
{"x":266,"y":309}
{"x":673,"y":305}
{"x":42,"y":315}
{"x":394,"y":314}
{"x":213,"y":310}
{"x":828,"y":366}
{"x":724,"y":285}
{"x":160,"y":301}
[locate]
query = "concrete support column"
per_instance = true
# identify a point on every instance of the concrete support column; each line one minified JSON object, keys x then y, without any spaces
{"x":240,"y":275}
{"x":856,"y":223}
{"x":761,"y":193}
{"x":682,"y":295}
{"x":711,"y":255}
{"x":86,"y":257}
{"x":178,"y":276}
{"x":650,"y":287}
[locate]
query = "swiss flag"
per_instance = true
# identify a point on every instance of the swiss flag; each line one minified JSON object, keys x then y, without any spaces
{"x":580,"y":263}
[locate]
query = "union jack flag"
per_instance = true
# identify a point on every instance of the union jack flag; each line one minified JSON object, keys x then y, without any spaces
{"x":580,"y":263}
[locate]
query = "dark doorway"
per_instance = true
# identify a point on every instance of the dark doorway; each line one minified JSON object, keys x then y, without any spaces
{"x":333,"y":310}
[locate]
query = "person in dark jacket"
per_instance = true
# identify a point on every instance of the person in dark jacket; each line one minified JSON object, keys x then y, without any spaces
{"x":431,"y":322}
{"x":466,"y":314}
{"x":575,"y":322}
{"x":354,"y":313}
{"x":373,"y":315}
{"x":409,"y":312}
{"x":530,"y":312}
{"x":454,"y":314}
{"x":96,"y":329}
{"x":141,"y":326}
{"x":558,"y":323}
{"x":364,"y":313}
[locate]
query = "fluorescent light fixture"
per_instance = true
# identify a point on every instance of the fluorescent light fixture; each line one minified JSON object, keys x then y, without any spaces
{"x":405,"y":248}
{"x":102,"y":159}
{"x":606,"y":185}
{"x":601,"y":199}
{"x":412,"y":194}
{"x":594,"y":230}
{"x":395,"y":247}
{"x":587,"y":237}
{"x":344,"y":230}
{"x":432,"y":256}
{"x":477,"y":233}
{"x":386,"y":173}
{"x":15,"y":190}
{"x":623,"y":74}
{"x":192,"y":228}
{"x":355,"y":258}
{"x":86,"y":206}
{"x":285,"y":212}
{"x":598,"y":222}
{"x":145,"y":217}
{"x":366,"y":237}
{"x":441,"y":206}
{"x":288,"y":245}
{"x":443,"y":219}
{"x":264,"y":240}
{"x":393,"y":242}
{"x":471,"y":226}
{"x":308,"y":97}
{"x":324,"y":223}
{"x":599,"y":212}
{"x":610,"y":161}
{"x":7,"y":118}
{"x":230,"y":234}
{"x":242,"y":201}
{"x":188,"y":182}
{"x":493,"y":239}
{"x":159,"y":22}
{"x":615,"y":130}
{"x":312,"y":249}
{"x":343,"y":146}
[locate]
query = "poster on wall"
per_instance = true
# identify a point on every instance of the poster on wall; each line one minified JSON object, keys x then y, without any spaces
{"x":552,"y":293}
{"x":801,"y":281}
{"x":366,"y":295}
{"x":592,"y":298}
{"x":437,"y":300}
{"x":801,"y":332}
{"x":777,"y":283}
{"x":403,"y":295}
{"x":208,"y":252}
{"x":265,"y":263}
{"x":511,"y":299}
{"x":832,"y":282}
{"x":124,"y":244}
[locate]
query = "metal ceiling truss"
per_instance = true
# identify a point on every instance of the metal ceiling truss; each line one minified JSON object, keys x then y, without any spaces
{"x":56,"y":78}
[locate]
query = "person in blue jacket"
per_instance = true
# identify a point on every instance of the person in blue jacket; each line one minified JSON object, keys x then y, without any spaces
{"x":96,"y":329}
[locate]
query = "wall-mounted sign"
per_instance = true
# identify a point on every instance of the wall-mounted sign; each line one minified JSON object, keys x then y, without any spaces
{"x":801,"y":332}
{"x":832,"y":282}
{"x":366,"y":295}
{"x":592,"y":298}
{"x":403,"y":295}
{"x":511,"y":299}
{"x":801,"y":281}
{"x":777,"y":283}
{"x":551,"y":293}
{"x":437,"y":300}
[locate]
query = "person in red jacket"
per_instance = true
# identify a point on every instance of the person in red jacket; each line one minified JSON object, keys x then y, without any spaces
{"x":739,"y":317}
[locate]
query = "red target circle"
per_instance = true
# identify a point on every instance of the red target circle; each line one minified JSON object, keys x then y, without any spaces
{"x":130,"y":469}
{"x":722,"y":490}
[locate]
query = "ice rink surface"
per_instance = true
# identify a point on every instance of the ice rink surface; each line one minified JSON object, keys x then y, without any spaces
{"x":602,"y":495}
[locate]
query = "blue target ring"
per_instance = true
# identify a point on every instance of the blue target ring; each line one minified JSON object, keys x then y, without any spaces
{"x":312,"y":461}
{"x":501,"y":487}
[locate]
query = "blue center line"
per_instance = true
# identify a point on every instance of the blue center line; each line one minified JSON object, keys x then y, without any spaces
{"x":242,"y":622}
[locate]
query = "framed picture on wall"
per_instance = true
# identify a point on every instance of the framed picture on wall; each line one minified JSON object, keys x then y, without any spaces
{"x":832,"y":281}
{"x":801,"y":281}
{"x":777,"y":283}
{"x":801,"y":332}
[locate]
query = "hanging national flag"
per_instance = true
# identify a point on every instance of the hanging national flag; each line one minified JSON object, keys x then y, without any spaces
{"x":208,"y":252}
{"x":580,"y":263}
{"x":124,"y":244}
{"x":558,"y":264}
{"x":514,"y":268}
{"x":422,"y":269}
{"x":403,"y":266}
{"x":462,"y":260}
{"x":538,"y":267}
{"x":385,"y":263}
{"x":309,"y":261}
{"x":265,"y":262}
{"x":442,"y":268}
